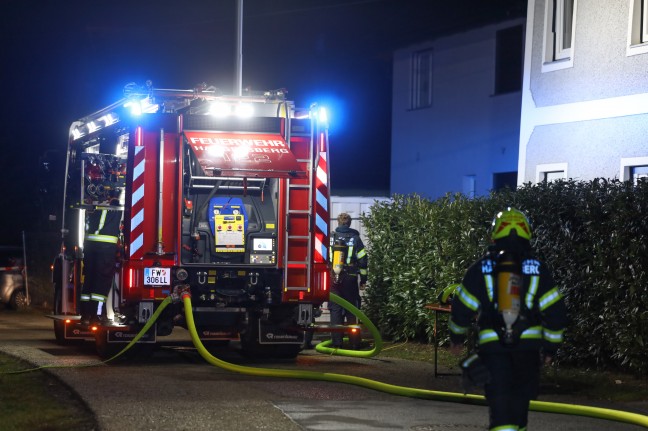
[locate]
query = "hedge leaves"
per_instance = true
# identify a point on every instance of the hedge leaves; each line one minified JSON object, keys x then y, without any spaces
{"x":594,"y":235}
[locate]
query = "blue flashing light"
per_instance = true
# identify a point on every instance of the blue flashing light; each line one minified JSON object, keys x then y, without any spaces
{"x":323,"y":115}
{"x":135,"y":107}
{"x":331,"y":110}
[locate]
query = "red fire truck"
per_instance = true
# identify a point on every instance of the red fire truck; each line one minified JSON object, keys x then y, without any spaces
{"x":226,"y":197}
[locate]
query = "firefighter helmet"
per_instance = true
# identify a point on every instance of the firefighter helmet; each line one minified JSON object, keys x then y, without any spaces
{"x":508,"y":221}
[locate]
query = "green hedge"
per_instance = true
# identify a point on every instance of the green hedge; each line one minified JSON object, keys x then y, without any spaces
{"x":594,"y":235}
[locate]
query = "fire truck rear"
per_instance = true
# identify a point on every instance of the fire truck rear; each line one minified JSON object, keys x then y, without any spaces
{"x":225,"y":197}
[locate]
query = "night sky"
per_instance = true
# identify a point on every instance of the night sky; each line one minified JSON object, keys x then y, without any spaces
{"x":62,"y":60}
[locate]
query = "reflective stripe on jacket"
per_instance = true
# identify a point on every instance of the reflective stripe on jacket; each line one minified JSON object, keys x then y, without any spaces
{"x":474,"y":297}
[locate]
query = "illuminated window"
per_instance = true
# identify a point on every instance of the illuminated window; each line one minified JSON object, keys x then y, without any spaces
{"x":422,"y":79}
{"x":559,"y":34}
{"x":551,"y":172}
{"x":638,"y":28}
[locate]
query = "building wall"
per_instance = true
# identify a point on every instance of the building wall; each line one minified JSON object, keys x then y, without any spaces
{"x":355,"y":206}
{"x":468,"y":132}
{"x":590,"y":116}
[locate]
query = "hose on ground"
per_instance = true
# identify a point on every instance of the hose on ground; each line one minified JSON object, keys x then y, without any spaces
{"x":540,"y":406}
{"x":135,"y":339}
{"x":324,"y":346}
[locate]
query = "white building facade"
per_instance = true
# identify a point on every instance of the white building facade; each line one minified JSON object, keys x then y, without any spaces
{"x":456,"y":112}
{"x":585,"y":90}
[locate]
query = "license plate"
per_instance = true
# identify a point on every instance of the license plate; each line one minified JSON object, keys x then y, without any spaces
{"x":157,"y":276}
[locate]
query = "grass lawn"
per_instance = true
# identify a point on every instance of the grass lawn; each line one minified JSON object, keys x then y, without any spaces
{"x":36,"y":401}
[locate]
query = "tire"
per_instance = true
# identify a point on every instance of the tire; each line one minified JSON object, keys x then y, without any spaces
{"x":19,"y":300}
{"x":59,"y":333}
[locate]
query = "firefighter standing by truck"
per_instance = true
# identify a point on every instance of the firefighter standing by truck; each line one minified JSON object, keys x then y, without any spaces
{"x":349,"y":266}
{"x":520,"y":320}
{"x":100,"y":250}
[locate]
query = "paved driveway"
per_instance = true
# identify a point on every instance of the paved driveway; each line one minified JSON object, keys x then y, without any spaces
{"x":177,"y":390}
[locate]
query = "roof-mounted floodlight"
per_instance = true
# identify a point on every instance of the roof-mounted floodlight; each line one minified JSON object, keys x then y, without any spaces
{"x":243,"y":110}
{"x":220,"y":109}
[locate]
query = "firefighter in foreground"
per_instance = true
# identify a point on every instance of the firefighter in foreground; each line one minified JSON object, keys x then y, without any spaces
{"x":520,"y":316}
{"x":99,"y":258}
{"x":349,"y":266}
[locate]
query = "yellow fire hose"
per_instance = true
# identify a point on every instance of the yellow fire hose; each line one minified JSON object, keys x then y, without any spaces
{"x":135,"y":339}
{"x":539,"y":406}
{"x":323,"y":347}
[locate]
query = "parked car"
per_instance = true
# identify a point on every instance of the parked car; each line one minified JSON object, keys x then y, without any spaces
{"x":13,"y":286}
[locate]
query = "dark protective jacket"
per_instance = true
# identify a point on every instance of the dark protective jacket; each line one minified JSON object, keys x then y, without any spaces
{"x":103,"y":226}
{"x":99,"y":256}
{"x":356,"y":256}
{"x":543,"y":312}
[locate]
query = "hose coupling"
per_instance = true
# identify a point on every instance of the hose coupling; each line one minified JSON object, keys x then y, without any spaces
{"x":179,"y":292}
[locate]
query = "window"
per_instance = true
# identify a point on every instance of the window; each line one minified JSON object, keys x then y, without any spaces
{"x":634,"y":169}
{"x":638,"y":28}
{"x":508,"y":59}
{"x":644,"y":21}
{"x":551,"y":172}
{"x":422,"y":79}
{"x":559,"y":34}
{"x":553,"y":175}
{"x":505,"y":180}
{"x":639,"y":173}
{"x":562,"y":28}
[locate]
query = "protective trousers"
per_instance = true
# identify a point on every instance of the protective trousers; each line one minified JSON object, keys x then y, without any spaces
{"x":348,"y":290}
{"x":99,"y":272}
{"x":514,"y":381}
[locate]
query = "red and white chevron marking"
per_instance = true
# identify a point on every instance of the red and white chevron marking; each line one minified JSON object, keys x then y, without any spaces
{"x":137,"y":205}
{"x":321,"y":205}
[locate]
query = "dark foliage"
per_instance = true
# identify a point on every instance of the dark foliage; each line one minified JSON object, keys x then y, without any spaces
{"x":594,"y":235}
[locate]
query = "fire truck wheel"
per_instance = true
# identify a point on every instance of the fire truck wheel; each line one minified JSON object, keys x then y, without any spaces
{"x":59,"y":332}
